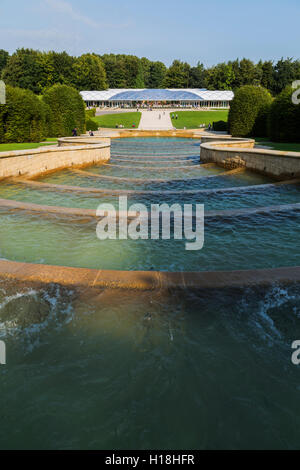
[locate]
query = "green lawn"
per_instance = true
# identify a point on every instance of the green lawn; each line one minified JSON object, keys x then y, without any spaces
{"x":25,"y":146}
{"x":124,"y":119}
{"x":282,"y":146}
{"x":193,"y":119}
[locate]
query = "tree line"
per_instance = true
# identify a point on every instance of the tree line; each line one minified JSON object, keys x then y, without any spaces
{"x":37,"y":71}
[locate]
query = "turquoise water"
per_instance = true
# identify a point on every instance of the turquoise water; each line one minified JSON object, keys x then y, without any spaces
{"x":241,"y":243}
{"x":254,"y":197}
{"x":145,"y":157}
{"x":69,"y":177}
{"x":109,"y":370}
{"x":118,"y":369}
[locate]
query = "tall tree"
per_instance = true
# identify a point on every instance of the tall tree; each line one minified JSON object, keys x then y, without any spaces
{"x":285,"y":72}
{"x":220,"y":77}
{"x":247,"y":72}
{"x":157,"y":75}
{"x":24,"y":70}
{"x":177,"y":75}
{"x":197,"y":76}
{"x":267,"y":79}
{"x":146,"y":64}
{"x":115,"y":70}
{"x":134,"y":73}
{"x":4,"y":56}
{"x":89,"y":73}
{"x":62,"y":64}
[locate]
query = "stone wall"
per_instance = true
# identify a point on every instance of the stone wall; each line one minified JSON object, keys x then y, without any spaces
{"x":124,"y":133}
{"x":240,"y":153}
{"x":31,"y":163}
{"x":82,"y":140}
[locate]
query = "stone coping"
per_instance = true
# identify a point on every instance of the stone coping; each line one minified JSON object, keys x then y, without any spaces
{"x":124,"y":133}
{"x":87,"y":190}
{"x":146,"y":280}
{"x":236,"y":144}
{"x":83,"y":140}
{"x":91,"y":213}
{"x":141,"y":160}
{"x":154,"y":157}
{"x":131,"y":215}
{"x":136,"y":167}
{"x":50,"y":149}
{"x":153,"y":180}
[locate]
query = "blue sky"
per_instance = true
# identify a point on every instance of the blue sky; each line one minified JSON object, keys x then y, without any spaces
{"x":209,"y":31}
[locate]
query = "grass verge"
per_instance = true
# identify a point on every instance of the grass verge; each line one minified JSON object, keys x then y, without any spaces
{"x":125,"y":119}
{"x":282,"y":146}
{"x":25,"y":145}
{"x":193,"y":119}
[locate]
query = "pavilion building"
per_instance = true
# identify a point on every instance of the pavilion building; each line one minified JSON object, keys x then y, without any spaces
{"x":158,"y":98}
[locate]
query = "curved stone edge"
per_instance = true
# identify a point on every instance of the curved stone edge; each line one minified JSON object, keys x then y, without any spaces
{"x":125,"y":133}
{"x":146,"y":280}
{"x":138,"y":161}
{"x":149,"y":167}
{"x":82,"y":140}
{"x":91,"y":213}
{"x":152,"y":180}
{"x":51,"y":149}
{"x":274,"y":163}
{"x":152,"y":163}
{"x":87,"y":190}
{"x":169,"y":156}
{"x":36,"y":162}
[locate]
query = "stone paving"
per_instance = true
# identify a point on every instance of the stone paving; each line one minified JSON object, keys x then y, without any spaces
{"x":156,"y":120}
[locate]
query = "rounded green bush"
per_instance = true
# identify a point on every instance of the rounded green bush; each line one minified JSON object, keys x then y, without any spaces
{"x":67,"y":110}
{"x":91,"y":125}
{"x":284,"y":119}
{"x":220,"y":126}
{"x":23,"y":118}
{"x":248,"y":115}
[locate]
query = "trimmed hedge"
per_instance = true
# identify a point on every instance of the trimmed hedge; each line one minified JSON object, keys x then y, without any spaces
{"x":91,"y":125}
{"x":248,"y":115}
{"x":220,"y":126}
{"x":67,"y":111}
{"x":90,"y":113}
{"x":23,"y":118}
{"x":284,"y":119}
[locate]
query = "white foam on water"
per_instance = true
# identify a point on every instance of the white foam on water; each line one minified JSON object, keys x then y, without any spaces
{"x":260,"y":316}
{"x":60,"y":313}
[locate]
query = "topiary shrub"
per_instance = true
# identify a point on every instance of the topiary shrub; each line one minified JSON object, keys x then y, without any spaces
{"x":284,"y":118}
{"x":67,"y":111}
{"x":91,"y":125}
{"x":220,"y":126}
{"x":248,"y":115}
{"x":91,"y":112}
{"x":23,"y":118}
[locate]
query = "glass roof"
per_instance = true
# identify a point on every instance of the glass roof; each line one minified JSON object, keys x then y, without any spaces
{"x":187,"y":94}
{"x":154,"y":95}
